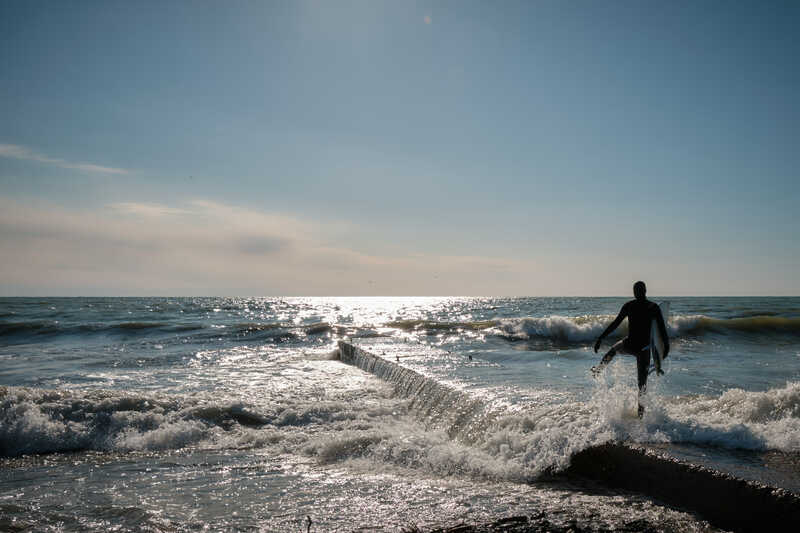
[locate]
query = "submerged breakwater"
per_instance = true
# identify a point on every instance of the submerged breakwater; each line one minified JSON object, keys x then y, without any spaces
{"x":460,"y":415}
{"x":729,"y":502}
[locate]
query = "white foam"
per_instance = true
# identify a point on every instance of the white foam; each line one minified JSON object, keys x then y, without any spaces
{"x":556,"y":327}
{"x":168,"y":435}
{"x":768,"y":420}
{"x":588,"y":328}
{"x":737,"y":419}
{"x":540,"y":437}
{"x":681,"y":324}
{"x":448,"y":437}
{"x":405,"y":444}
{"x":41,"y":421}
{"x":44,"y":421}
{"x":546,"y":438}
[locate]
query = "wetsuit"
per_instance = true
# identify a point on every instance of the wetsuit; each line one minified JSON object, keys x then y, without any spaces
{"x":640,"y":313}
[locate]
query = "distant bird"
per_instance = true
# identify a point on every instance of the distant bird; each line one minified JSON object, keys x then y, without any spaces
{"x":398,"y":358}
{"x":470,"y":357}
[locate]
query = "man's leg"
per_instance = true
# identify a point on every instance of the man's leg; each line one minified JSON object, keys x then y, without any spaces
{"x":642,"y":369}
{"x":608,"y":357}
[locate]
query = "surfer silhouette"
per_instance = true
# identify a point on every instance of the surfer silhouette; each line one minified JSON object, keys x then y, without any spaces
{"x":640,"y":313}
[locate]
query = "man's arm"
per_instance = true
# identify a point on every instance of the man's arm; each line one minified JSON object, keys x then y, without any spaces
{"x":611,"y":327}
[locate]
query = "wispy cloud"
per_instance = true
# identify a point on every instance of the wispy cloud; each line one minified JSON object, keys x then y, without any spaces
{"x":210,"y":248}
{"x":147,"y":209}
{"x":16,"y":151}
{"x":206,"y":247}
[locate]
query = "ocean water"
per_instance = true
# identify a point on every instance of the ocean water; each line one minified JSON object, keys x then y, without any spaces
{"x":185,"y":414}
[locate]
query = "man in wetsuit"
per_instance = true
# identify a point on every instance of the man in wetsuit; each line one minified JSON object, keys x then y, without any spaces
{"x":640,"y":312}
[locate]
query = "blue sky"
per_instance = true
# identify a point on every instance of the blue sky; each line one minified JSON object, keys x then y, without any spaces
{"x":399,"y":148}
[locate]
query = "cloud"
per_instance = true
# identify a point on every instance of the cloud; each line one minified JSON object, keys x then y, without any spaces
{"x":206,"y":247}
{"x":203,"y":247}
{"x":260,"y":244}
{"x":20,"y":152}
{"x":147,"y":210}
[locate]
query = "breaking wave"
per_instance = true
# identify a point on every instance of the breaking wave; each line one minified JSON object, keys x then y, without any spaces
{"x":573,"y":329}
{"x":523,"y":444}
{"x":587,"y":328}
{"x":452,"y":432}
{"x":564,"y":329}
{"x":46,"y":421}
{"x":764,"y":325}
{"x":37,"y":421}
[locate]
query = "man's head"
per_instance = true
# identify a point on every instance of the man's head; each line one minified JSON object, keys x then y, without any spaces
{"x":639,"y":290}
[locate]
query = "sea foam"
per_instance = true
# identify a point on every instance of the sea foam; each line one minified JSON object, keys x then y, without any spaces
{"x":587,"y":328}
{"x":530,"y":440}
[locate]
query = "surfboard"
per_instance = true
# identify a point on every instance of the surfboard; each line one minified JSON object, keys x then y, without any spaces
{"x":656,"y":342}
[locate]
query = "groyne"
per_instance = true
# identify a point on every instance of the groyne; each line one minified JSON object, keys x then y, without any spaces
{"x":722,"y":499}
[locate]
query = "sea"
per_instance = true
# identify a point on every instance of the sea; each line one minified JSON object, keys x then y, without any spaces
{"x":240,"y":414}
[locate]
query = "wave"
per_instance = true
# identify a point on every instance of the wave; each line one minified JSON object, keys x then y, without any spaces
{"x":528,"y":441}
{"x":501,"y":444}
{"x":739,"y":419}
{"x":22,"y":328}
{"x":133,"y":326}
{"x":255,"y":327}
{"x":47,"y":421}
{"x":39,"y":421}
{"x":572,"y":329}
{"x":587,"y":328}
{"x":461,"y":434}
{"x":555,"y":328}
{"x":763,"y":324}
{"x":38,"y":331}
{"x":47,"y":328}
{"x":433,"y":325}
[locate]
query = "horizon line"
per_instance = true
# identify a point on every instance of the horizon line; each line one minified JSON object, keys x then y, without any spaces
{"x":402,"y":296}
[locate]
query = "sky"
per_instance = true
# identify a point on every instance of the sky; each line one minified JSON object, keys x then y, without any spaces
{"x":535,"y":148}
